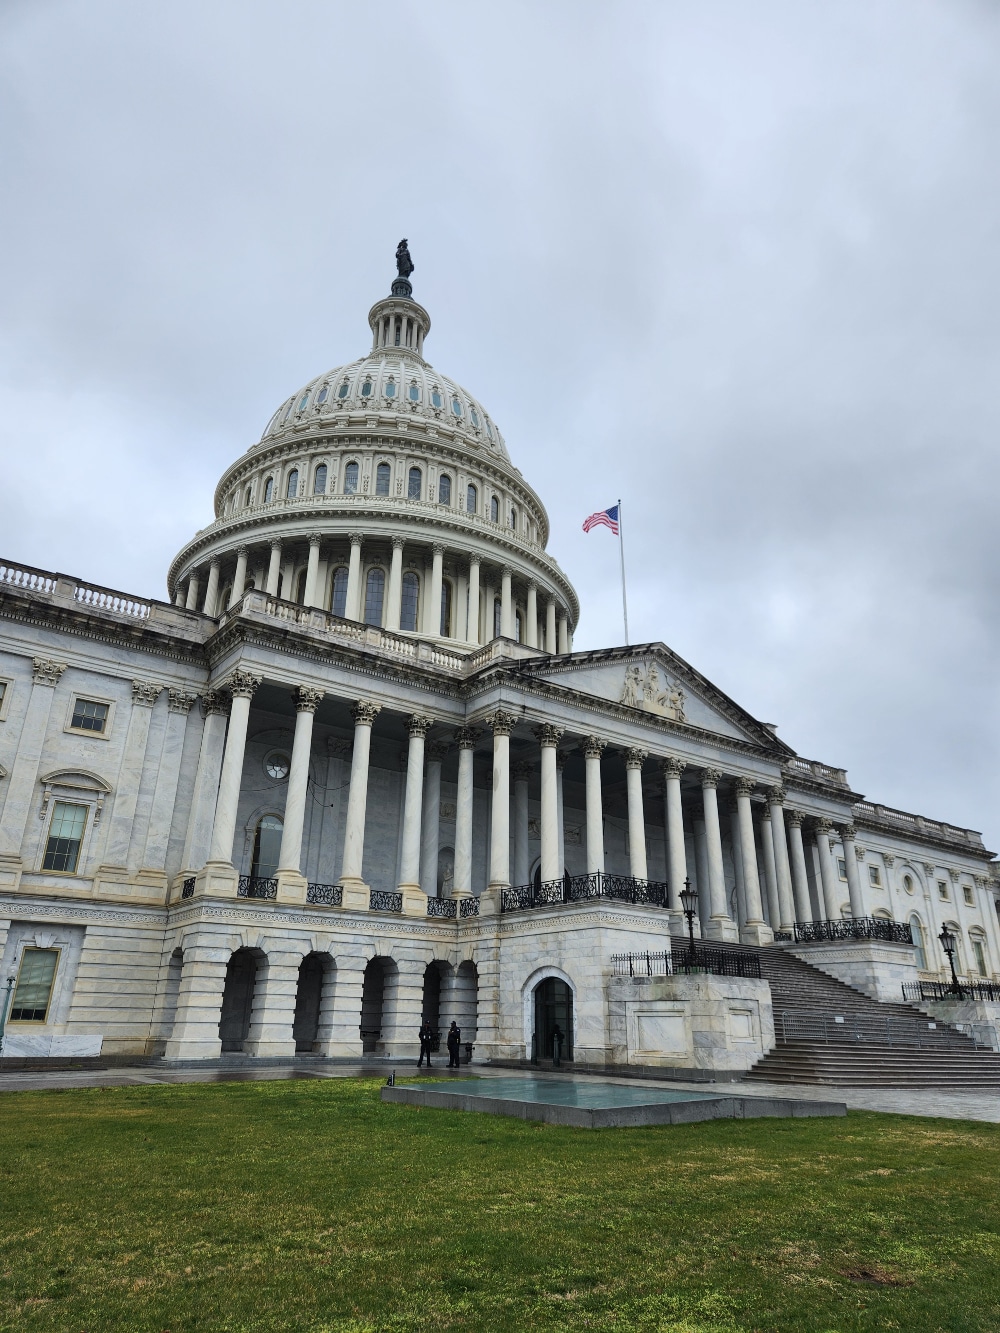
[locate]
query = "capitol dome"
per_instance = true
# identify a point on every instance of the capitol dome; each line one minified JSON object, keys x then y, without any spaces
{"x":383,"y":492}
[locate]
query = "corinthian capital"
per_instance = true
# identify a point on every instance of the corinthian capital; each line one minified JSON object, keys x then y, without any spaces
{"x":711,"y":777}
{"x":594,"y":747}
{"x":46,"y":672}
{"x":635,"y":758}
{"x":848,"y":832}
{"x":365,"y":712}
{"x":178,"y":701}
{"x":419,"y":724}
{"x":466,"y":737}
{"x":745,"y":786}
{"x":547,"y":735}
{"x":145,"y":693}
{"x":776,"y":795}
{"x":501,"y":723}
{"x":307,"y":699}
{"x":215,"y":702}
{"x":671,"y":767}
{"x":795,"y":818}
{"x":243,"y":684}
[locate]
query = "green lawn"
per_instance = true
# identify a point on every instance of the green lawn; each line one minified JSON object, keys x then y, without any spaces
{"x":311,"y":1205}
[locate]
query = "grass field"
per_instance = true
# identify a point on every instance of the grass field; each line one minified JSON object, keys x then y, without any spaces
{"x":313,"y":1206}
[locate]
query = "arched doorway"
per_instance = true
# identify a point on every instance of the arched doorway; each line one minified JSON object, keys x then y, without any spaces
{"x":430,"y":1005}
{"x":553,"y":1010}
{"x":312,"y":996}
{"x":237,"y":999}
{"x":372,"y":997}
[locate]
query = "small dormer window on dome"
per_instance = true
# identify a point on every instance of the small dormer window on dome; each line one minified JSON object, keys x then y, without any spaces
{"x":288,"y":411}
{"x":269,"y":490}
{"x":414,"y":392}
{"x":474,"y":417}
{"x":456,"y":407}
{"x":366,"y":389}
{"x":390,"y":389}
{"x":344,"y":390}
{"x":303,"y":400}
{"x":489,"y":428}
{"x":436,"y":400}
{"x":382,"y":478}
{"x":321,"y":397}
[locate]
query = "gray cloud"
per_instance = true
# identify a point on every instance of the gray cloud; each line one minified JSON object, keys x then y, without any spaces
{"x":735,"y":264}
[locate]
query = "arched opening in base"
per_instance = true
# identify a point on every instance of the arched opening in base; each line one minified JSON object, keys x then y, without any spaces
{"x":237,"y":999}
{"x":313,"y":1001}
{"x":554,"y":1019}
{"x":372,"y":998}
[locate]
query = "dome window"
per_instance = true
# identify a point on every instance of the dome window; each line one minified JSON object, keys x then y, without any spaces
{"x":414,"y":483}
{"x":513,"y":519}
{"x":338,"y":602}
{"x":269,"y":490}
{"x":475,"y":417}
{"x":382,"y":477}
{"x":366,"y":389}
{"x":374,"y":596}
{"x":472,"y":499}
{"x":446,"y":610}
{"x":495,"y":509}
{"x":323,"y":394}
{"x":344,"y":390}
{"x":248,"y":498}
{"x":456,"y":407}
{"x":489,"y":428}
{"x":303,"y":400}
{"x":319,"y":480}
{"x":288,"y":411}
{"x":408,"y":605}
{"x":292,"y":489}
{"x":390,"y":389}
{"x":444,"y":489}
{"x":414,"y":392}
{"x":351,"y":479}
{"x":436,"y":399}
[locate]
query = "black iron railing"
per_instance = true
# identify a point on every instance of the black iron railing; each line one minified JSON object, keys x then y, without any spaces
{"x":256,"y":886}
{"x":187,"y":888}
{"x":469,"y":907}
{"x":325,"y":895}
{"x":578,"y":888}
{"x":383,"y":901}
{"x":717,"y":962}
{"x":989,"y":991}
{"x":854,"y":928}
{"x":875,"y":1029}
{"x":447,"y":907}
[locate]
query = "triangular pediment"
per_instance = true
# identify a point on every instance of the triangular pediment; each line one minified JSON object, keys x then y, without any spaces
{"x":653,"y":680}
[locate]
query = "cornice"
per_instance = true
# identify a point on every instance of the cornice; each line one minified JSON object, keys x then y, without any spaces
{"x":924,"y":837}
{"x":91,"y":625}
{"x":23,"y":905}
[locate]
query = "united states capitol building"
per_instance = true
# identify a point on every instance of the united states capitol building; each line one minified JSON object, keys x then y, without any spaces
{"x":351,"y":773}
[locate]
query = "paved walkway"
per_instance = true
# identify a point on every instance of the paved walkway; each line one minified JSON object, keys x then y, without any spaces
{"x":900,"y":1101}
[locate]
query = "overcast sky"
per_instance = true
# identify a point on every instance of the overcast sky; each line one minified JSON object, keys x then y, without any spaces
{"x":736,"y":263}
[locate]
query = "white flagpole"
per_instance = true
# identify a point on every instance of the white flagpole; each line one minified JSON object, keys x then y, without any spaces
{"x":621,"y":550}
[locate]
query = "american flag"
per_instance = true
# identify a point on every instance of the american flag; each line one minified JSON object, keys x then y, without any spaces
{"x":607,"y":517}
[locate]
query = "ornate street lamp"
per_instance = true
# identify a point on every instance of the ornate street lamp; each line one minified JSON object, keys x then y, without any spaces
{"x":689,"y":906}
{"x":950,"y":945}
{"x":4,"y":1005}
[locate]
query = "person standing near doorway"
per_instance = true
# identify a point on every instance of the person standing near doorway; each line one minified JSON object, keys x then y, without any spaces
{"x":454,"y":1041}
{"x":426,"y":1035}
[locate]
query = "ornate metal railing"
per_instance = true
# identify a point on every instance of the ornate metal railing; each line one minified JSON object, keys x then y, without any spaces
{"x":325,"y":895}
{"x":382,"y":901}
{"x":578,"y":888}
{"x":256,"y":886}
{"x":854,"y":928}
{"x":717,"y":962}
{"x":989,"y":991}
{"x":187,"y":888}
{"x":468,"y":907}
{"x":442,"y":907}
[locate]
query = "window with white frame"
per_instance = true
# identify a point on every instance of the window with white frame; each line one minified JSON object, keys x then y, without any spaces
{"x":338,"y":601}
{"x":874,"y":877}
{"x":967,"y":895}
{"x":6,"y":689}
{"x":943,"y":890}
{"x":841,"y":867}
{"x":62,"y":849}
{"x":410,"y":597}
{"x":33,"y":991}
{"x":90,"y":715}
{"x":979,"y":953}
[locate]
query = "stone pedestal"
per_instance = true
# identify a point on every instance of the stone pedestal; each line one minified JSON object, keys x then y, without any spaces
{"x":414,"y":900}
{"x":217,"y":879}
{"x":756,"y":933}
{"x":291,"y":887}
{"x":10,"y":872}
{"x":356,"y":894}
{"x":722,"y":928}
{"x":876,"y":967}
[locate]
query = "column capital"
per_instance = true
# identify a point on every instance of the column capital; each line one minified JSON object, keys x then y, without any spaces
{"x":745,"y":786}
{"x":848,"y":832}
{"x":776,"y":794}
{"x":501,"y":723}
{"x":711,"y":777}
{"x":214,"y":702}
{"x":145,"y":693}
{"x":438,"y":548}
{"x":357,"y":538}
{"x":507,"y":571}
{"x":635,"y":758}
{"x":274,"y":543}
{"x":307,"y":699}
{"x":824,"y":826}
{"x":242,"y":684}
{"x":795,"y":818}
{"x":522,"y":770}
{"x":398,"y":543}
{"x":548,"y":735}
{"x":466,"y":737}
{"x":178,"y":701}
{"x":671,"y":767}
{"x":214,"y":563}
{"x":44,"y":671}
{"x":765,"y":810}
{"x":314,"y":538}
{"x":365,"y":712}
{"x":419,"y":725}
{"x":532,"y":585}
{"x":475,"y":560}
{"x":437,"y":751}
{"x":594,"y":747}
{"x":243,"y":551}
{"x":929,"y":867}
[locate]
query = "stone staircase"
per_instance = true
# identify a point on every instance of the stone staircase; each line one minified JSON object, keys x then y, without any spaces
{"x":829,"y":1032}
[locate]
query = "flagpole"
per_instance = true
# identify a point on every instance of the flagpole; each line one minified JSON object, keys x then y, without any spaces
{"x":621,"y":551}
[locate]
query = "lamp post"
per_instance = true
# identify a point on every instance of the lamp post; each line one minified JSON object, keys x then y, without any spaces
{"x":4,"y":1006}
{"x":689,"y":906}
{"x":950,"y":945}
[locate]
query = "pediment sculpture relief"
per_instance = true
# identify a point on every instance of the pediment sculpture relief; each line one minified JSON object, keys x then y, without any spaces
{"x":643,"y":690}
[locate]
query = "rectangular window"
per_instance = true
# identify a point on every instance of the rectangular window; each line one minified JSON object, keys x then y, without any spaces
{"x":842,"y":867}
{"x":62,"y":851}
{"x":874,"y":877}
{"x":980,"y":952}
{"x":34,"y":985}
{"x":943,"y":890}
{"x":3,"y":693}
{"x":967,"y":893}
{"x":89,"y":716}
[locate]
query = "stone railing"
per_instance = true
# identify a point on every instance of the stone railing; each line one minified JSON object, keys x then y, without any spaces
{"x":898,"y":821}
{"x":812,"y":768}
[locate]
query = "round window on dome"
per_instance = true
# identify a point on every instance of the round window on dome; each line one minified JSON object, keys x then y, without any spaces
{"x":321,"y":397}
{"x":366,"y":389}
{"x":414,"y":393}
{"x":344,"y":389}
{"x":436,"y":399}
{"x":474,"y":416}
{"x":390,"y":389}
{"x":456,"y":407}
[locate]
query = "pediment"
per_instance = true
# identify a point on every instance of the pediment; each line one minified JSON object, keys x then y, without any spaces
{"x":79,"y":779}
{"x":655,"y":681}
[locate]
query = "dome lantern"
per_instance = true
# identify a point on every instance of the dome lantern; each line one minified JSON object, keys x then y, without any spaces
{"x":397,"y":321}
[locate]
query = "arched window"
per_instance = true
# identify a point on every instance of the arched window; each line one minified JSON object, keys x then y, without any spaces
{"x":456,"y":407}
{"x":338,"y":601}
{"x":246,"y":498}
{"x":374,"y":596}
{"x":288,"y":411}
{"x":266,"y":848}
{"x":475,"y":417}
{"x":292,"y":489}
{"x":956,"y":930}
{"x":413,"y":483}
{"x":518,"y":627}
{"x":366,"y":389}
{"x":979,"y":954}
{"x":323,"y":394}
{"x":344,"y":390}
{"x":319,"y":480}
{"x":382,"y":475}
{"x":414,"y":392}
{"x":444,"y":489}
{"x":410,"y":601}
{"x":513,"y":518}
{"x":390,"y":388}
{"x":304,"y":399}
{"x":351,"y":479}
{"x":300,"y":586}
{"x":445,"y":610}
{"x":436,"y":399}
{"x":497,"y":617}
{"x":495,"y":509}
{"x":269,"y":490}
{"x":472,"y":499}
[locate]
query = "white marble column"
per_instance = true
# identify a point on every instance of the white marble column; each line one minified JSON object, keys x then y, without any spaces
{"x":548,"y":739}
{"x":560,"y":811}
{"x":502,"y":725}
{"x":310,"y":597}
{"x":394,"y":600}
{"x":770,"y":868}
{"x":720,"y":925}
{"x":307,"y":700}
{"x":465,"y":739}
{"x":409,"y":869}
{"x":550,"y":627}
{"x":472,"y":630}
{"x":432,"y":617}
{"x":782,"y":865}
{"x":848,"y":833}
{"x":179,"y":596}
{"x":154,"y":855}
{"x":755,"y":930}
{"x":430,"y":822}
{"x":197,"y":840}
{"x":531,"y":614}
{"x":365,"y":714}
{"x":122,"y":822}
{"x":593,"y":748}
{"x":352,"y":609}
{"x":800,"y":879}
{"x":564,"y":634}
{"x":18,"y":790}
{"x":240,"y":577}
{"x":506,"y":603}
{"x":241,"y":686}
{"x":634,"y":760}
{"x":521,"y":773}
{"x":700,"y":838}
{"x":673,"y":820}
{"x":273,"y":568}
{"x":733,"y":811}
{"x":828,"y":870}
{"x":191,"y":601}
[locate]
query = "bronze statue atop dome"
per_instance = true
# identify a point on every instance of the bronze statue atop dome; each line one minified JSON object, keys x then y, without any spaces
{"x":404,"y":264}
